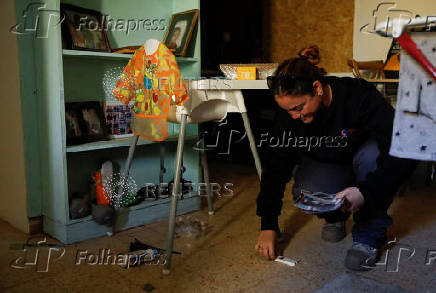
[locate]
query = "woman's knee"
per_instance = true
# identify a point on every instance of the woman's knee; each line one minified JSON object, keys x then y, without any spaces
{"x":365,"y":159}
{"x":316,"y":176}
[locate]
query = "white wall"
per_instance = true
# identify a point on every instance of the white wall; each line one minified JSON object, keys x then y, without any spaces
{"x":371,"y":46}
{"x":13,"y":204}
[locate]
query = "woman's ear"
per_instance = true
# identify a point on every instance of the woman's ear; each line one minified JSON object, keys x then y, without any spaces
{"x":317,"y":86}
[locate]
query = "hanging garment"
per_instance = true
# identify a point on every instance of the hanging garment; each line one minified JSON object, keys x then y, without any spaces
{"x":153,"y":81}
{"x":414,"y":132}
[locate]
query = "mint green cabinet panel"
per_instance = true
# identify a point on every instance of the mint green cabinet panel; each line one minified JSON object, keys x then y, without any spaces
{"x":30,"y":113}
{"x":52,"y":122}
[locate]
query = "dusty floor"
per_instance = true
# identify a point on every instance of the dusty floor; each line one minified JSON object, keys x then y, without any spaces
{"x":223,"y":260}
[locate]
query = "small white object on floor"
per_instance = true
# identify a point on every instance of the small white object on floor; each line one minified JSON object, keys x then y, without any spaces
{"x":286,"y":260}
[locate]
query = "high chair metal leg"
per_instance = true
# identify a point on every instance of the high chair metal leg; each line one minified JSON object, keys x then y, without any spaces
{"x":239,"y":98}
{"x":203,"y":159}
{"x":162,"y":162}
{"x":175,"y":195}
{"x":124,"y":180}
{"x":252,"y":143}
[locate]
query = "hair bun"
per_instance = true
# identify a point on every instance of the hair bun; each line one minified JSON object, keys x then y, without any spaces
{"x":311,"y":54}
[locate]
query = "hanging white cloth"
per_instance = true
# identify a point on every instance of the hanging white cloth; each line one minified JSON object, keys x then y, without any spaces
{"x":414,"y":132}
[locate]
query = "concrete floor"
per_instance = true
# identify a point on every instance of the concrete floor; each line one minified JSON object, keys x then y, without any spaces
{"x":223,"y":260}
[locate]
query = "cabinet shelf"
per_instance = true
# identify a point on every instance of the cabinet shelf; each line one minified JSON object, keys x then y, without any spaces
{"x":111,"y":56}
{"x":118,"y":142}
{"x":142,"y":205}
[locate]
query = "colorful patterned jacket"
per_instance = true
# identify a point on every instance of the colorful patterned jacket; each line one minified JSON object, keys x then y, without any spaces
{"x":153,"y":81}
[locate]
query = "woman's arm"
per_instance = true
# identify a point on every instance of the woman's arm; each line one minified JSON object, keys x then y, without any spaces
{"x":277,"y":165}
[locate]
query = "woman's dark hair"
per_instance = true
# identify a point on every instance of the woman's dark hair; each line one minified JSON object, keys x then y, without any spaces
{"x":295,"y":76}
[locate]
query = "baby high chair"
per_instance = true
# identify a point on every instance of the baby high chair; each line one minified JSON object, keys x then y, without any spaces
{"x":204,"y":104}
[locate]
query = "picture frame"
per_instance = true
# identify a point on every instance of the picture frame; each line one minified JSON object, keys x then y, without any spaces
{"x":82,"y":29}
{"x":118,"y":117}
{"x":84,"y":122}
{"x":179,"y":32}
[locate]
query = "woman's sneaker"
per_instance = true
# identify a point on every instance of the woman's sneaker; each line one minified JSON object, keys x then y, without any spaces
{"x":361,"y":257}
{"x":333,"y":232}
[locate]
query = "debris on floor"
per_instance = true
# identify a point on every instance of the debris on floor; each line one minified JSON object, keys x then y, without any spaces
{"x":286,"y":260}
{"x":148,"y":287}
{"x":138,"y":245}
{"x":189,"y":227}
{"x":141,"y":253}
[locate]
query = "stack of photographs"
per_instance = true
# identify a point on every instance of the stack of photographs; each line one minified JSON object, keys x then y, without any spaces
{"x":118,"y":119}
{"x":318,"y":202}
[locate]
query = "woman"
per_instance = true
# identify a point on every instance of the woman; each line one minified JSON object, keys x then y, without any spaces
{"x":337,"y":131}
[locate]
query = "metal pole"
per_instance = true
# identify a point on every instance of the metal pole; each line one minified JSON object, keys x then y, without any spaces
{"x":252,"y":143}
{"x":162,"y":162}
{"x":123,"y":181}
{"x":206,"y":177}
{"x":175,"y":195}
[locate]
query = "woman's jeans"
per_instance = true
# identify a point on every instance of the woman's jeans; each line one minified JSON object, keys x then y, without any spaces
{"x":369,"y":225}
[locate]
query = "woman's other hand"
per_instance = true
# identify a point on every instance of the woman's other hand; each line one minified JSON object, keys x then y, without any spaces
{"x":353,"y":198}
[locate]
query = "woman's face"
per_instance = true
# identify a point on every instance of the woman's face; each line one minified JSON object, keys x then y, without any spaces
{"x":302,"y":107}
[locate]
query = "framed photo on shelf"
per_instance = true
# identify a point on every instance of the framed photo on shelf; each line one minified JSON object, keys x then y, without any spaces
{"x":82,"y":29}
{"x":118,"y":119}
{"x":180,"y":30}
{"x":84,"y":122}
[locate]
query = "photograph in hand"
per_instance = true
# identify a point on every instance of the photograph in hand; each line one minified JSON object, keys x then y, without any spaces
{"x":318,"y":202}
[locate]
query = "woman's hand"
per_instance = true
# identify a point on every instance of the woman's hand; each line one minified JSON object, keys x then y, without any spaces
{"x":266,"y":244}
{"x":353,"y":198}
